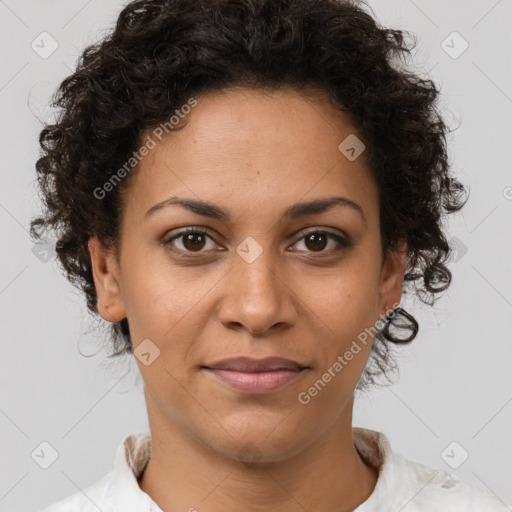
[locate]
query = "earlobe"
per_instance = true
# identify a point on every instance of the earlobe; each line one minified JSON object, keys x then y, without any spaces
{"x":106,"y":276}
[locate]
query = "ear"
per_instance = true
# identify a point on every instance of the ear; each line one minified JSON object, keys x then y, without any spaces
{"x":105,"y":271}
{"x":391,"y":278}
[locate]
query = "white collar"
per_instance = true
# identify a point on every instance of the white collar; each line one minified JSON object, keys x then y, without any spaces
{"x":401,"y":483}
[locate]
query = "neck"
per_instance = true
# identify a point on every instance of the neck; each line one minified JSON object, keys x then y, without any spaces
{"x":328,"y":474}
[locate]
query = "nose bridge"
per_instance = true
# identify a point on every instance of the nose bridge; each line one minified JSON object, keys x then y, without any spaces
{"x":257,"y":295}
{"x":255,"y":265}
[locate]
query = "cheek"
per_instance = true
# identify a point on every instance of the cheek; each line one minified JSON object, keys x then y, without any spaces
{"x":347,"y":302}
{"x":158,"y":297}
{"x":347,"y":313}
{"x":332,"y":385}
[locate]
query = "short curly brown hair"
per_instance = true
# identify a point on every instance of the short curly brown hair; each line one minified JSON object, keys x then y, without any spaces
{"x":162,"y":52}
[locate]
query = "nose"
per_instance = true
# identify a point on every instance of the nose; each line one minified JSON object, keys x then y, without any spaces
{"x":258,"y":296}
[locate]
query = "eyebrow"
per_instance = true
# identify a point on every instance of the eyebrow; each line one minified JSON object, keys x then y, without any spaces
{"x":295,"y":211}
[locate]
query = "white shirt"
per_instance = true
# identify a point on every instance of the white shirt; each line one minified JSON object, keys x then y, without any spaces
{"x":403,"y":485}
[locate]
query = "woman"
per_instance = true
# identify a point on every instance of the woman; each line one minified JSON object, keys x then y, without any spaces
{"x":243,"y":189}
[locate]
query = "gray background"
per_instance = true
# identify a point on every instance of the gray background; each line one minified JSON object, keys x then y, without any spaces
{"x":455,"y":379}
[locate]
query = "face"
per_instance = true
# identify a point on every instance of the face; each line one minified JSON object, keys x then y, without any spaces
{"x":264,"y":277}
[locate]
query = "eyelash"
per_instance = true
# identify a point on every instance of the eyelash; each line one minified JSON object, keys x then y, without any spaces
{"x":344,"y":243}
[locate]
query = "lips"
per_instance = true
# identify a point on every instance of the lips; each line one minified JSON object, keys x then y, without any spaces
{"x":255,"y":376}
{"x":246,"y":364}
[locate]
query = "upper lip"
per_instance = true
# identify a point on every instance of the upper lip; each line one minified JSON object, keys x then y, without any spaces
{"x":247,"y":364}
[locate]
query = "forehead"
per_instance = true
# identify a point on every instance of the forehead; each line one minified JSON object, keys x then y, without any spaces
{"x":243,"y":146}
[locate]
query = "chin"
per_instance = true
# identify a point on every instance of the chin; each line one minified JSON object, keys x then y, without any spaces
{"x":257,"y":441}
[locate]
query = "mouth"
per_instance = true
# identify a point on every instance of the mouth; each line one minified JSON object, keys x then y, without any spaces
{"x":253,"y":377}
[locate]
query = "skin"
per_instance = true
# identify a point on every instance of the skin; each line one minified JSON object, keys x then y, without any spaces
{"x":253,"y":154}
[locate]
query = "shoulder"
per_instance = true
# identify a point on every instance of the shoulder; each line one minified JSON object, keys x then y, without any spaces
{"x":430,"y":489}
{"x":410,"y":486}
{"x":97,"y":496}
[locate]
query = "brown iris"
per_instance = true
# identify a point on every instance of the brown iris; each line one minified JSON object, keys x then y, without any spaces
{"x":191,"y":243}
{"x":313,"y":238}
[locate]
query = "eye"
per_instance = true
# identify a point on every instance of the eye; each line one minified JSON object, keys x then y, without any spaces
{"x":316,"y":241}
{"x":193,"y":240}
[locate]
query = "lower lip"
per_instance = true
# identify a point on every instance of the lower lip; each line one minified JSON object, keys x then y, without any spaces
{"x":255,"y":383}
